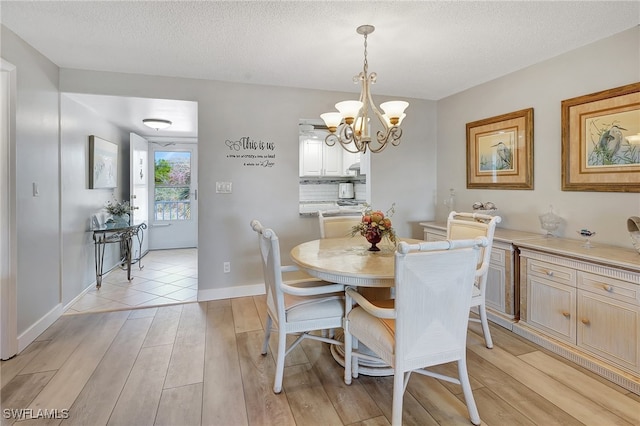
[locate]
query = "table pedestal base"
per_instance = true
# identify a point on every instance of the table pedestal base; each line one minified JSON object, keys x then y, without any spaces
{"x":366,"y":367}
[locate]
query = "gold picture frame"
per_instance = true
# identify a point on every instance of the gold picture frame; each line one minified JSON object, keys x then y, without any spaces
{"x":601,"y":141}
{"x":500,"y":151}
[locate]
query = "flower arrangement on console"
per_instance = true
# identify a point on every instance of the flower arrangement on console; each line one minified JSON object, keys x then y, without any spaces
{"x":118,"y":209}
{"x":375,"y":225}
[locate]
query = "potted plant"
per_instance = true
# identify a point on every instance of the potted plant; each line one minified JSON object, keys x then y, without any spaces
{"x":119,"y":211}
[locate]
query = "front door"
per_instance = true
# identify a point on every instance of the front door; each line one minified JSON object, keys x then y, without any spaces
{"x":139,"y":188}
{"x":174,"y":197}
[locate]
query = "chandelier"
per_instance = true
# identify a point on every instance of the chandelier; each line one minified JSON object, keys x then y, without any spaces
{"x":350,"y":126}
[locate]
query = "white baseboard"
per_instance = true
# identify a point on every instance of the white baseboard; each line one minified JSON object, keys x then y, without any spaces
{"x":32,"y":333}
{"x":78,"y":297}
{"x":230,"y":292}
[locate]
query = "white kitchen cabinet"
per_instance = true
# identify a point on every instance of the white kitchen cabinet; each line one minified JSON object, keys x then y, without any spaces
{"x":583,"y":304}
{"x":319,"y":159}
{"x":501,"y":296}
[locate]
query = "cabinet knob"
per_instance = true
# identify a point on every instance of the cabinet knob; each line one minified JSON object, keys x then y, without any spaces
{"x":550,"y":273}
{"x":566,"y":314}
{"x":585,"y":321}
{"x":607,"y":288}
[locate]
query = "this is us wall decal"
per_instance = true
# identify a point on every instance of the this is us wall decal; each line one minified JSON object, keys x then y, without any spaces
{"x":251,"y":152}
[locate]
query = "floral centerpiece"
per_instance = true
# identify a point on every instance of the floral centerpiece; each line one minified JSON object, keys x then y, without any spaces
{"x":118,"y":210}
{"x":375,"y":225}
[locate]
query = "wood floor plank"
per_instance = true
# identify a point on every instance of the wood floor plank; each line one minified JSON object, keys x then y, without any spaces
{"x":19,"y":393}
{"x":135,"y":377}
{"x":504,"y":338}
{"x":143,"y":313}
{"x":65,"y":386}
{"x":180,"y":406}
{"x":245,"y":315}
{"x":139,"y":399}
{"x":352,"y":402}
{"x":297,"y":356}
{"x":436,"y":399}
{"x":309,"y":402}
{"x":12,"y":367}
{"x":264,"y":407}
{"x":187,"y":360}
{"x":585,"y":385}
{"x":223,"y":398}
{"x":381,"y":390}
{"x":56,"y":353}
{"x":221,"y":303}
{"x":261,"y":307}
{"x":496,"y":411}
{"x":164,"y":327}
{"x":526,"y":402}
{"x":376,"y":421}
{"x":576,"y":405}
{"x":100,"y":395}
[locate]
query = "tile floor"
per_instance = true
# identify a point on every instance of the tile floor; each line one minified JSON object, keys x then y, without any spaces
{"x":167,"y":277}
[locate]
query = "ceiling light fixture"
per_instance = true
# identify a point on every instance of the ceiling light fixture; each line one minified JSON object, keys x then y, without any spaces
{"x":350,"y":126}
{"x":156,"y":123}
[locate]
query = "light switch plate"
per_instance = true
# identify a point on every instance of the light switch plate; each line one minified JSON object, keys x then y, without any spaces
{"x":223,"y":187}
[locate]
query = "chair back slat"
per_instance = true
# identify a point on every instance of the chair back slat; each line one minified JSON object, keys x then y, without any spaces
{"x":433,"y":296}
{"x":271,"y":267}
{"x":338,"y":224}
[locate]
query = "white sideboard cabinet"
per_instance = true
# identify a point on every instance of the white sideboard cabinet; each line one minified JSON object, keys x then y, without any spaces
{"x":583,"y":304}
{"x":502,"y":298}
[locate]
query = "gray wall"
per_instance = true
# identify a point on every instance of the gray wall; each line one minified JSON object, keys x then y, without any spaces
{"x":228,"y":112}
{"x":606,"y":64}
{"x":37,"y":161}
{"x":78,"y":202}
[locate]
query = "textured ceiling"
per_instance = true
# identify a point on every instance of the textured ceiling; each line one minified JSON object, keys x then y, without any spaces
{"x":424,"y":49}
{"x":420,"y":49}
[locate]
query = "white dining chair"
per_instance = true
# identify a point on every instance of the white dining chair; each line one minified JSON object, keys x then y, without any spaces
{"x":296,"y":307}
{"x":427,"y":325}
{"x":337,"y":224}
{"x":471,"y":225}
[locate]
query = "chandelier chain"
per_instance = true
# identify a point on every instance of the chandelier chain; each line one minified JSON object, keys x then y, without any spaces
{"x":366,"y":62}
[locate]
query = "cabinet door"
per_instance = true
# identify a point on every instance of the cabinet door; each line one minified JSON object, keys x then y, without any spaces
{"x":312,"y":153}
{"x":552,"y":308}
{"x":496,"y":281}
{"x":609,"y":328}
{"x":332,"y":161}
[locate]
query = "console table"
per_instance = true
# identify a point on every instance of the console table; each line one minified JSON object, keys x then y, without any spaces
{"x":117,"y":233}
{"x":583,"y":304}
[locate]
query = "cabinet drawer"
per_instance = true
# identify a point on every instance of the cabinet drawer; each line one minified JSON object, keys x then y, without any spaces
{"x":431,"y":236}
{"x":610,"y":287}
{"x":497,"y":257}
{"x":550,"y":271}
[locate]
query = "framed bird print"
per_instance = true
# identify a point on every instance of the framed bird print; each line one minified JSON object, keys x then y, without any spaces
{"x":601,"y":141}
{"x":500,"y":151}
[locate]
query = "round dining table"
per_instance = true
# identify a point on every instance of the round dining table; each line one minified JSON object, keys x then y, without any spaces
{"x":348,"y":261}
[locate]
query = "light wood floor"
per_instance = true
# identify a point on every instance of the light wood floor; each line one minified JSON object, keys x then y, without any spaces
{"x":200,"y":364}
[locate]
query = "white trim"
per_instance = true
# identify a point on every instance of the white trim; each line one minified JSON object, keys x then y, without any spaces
{"x":8,"y":247}
{"x":32,"y":333}
{"x":230,"y":292}
{"x":78,"y":297}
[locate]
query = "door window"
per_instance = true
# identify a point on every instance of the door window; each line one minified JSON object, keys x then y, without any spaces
{"x":172,"y":199}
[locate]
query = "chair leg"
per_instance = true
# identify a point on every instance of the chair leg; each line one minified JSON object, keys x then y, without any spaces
{"x":267,"y":335}
{"x":348,"y":359}
{"x":485,"y":326}
{"x":463,"y":376}
{"x":282,"y":350}
{"x":398,"y":394}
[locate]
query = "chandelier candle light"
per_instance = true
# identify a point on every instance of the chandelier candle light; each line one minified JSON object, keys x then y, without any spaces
{"x":350,"y":126}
